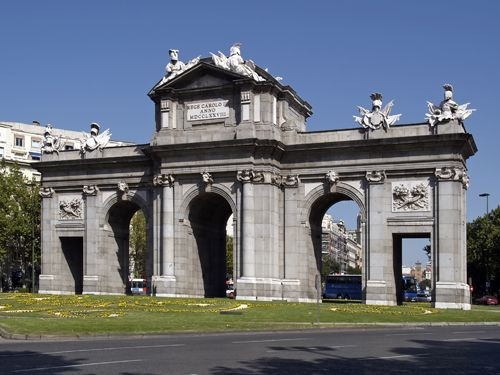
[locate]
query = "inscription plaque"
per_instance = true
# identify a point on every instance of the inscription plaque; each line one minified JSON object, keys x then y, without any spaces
{"x":207,"y":110}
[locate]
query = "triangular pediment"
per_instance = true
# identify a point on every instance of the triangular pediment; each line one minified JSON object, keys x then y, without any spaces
{"x":202,"y":75}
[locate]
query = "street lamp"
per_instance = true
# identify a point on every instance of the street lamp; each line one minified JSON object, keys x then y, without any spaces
{"x":486,"y":195}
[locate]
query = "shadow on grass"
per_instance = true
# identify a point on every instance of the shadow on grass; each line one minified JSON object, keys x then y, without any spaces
{"x":341,"y":301}
{"x":424,"y":357}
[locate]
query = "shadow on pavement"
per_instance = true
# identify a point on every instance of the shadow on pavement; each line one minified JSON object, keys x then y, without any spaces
{"x":30,"y":362}
{"x":426,"y":357}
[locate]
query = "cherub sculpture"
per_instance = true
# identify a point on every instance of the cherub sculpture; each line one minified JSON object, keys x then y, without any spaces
{"x":235,"y":63}
{"x":94,"y":140}
{"x":377,"y":117}
{"x":50,"y":143}
{"x":448,"y":109}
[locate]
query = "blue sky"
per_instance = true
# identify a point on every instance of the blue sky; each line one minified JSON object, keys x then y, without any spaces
{"x":72,"y":63}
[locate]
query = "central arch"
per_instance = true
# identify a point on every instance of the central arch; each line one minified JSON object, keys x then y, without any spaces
{"x":208,"y":214}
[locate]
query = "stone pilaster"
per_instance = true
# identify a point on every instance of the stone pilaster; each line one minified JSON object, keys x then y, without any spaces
{"x":91,"y":256}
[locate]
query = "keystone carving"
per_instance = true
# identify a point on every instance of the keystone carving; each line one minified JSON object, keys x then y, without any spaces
{"x":90,"y":189}
{"x":71,"y":209}
{"x":332,"y":177}
{"x":122,"y":187}
{"x":163,"y":180}
{"x":207,"y":178}
{"x":46,"y":192}
{"x":375,"y":176}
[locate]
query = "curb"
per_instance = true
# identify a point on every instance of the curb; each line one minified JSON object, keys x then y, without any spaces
{"x":17,"y":336}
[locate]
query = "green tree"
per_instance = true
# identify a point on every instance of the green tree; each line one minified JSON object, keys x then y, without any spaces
{"x":329,"y":265}
{"x":427,"y":250}
{"x":354,"y":270}
{"x":19,"y":227}
{"x":229,"y":256}
{"x":483,"y":252}
{"x":137,"y":245}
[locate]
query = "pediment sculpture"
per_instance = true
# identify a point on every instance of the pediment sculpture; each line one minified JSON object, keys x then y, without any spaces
{"x":377,"y":118}
{"x":176,"y":66}
{"x":448,"y":109}
{"x":236,"y":64}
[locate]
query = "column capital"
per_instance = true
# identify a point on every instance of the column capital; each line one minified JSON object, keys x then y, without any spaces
{"x":163,"y":179}
{"x":375,"y":177}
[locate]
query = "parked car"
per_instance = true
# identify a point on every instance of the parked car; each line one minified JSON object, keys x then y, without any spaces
{"x":487,"y":300}
{"x":423,"y":296}
{"x":138,"y":287}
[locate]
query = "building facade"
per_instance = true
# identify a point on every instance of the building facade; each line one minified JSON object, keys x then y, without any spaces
{"x":231,"y":139}
{"x":22,"y":143}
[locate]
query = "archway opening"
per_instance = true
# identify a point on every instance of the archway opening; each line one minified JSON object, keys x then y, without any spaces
{"x":336,"y":233}
{"x":208,"y":217}
{"x":129,"y":243}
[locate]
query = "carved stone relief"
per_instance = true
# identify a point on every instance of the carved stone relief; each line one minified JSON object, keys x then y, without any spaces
{"x":163,"y":180}
{"x":375,"y":176}
{"x":454,"y":174}
{"x":71,"y":209}
{"x":410,"y":196}
{"x":447,"y":110}
{"x":90,"y":189}
{"x":291,"y":180}
{"x":46,"y":192}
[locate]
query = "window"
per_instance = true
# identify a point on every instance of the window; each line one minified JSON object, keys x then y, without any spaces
{"x":36,"y":143}
{"x":1,"y":152}
{"x":69,"y":147}
{"x":19,"y":141}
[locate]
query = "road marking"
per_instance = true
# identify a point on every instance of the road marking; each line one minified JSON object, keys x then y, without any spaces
{"x":409,"y":334}
{"x":93,"y":350}
{"x":81,"y":365}
{"x":271,"y":340}
{"x":458,"y":332}
{"x":395,"y":356}
{"x":464,"y":339}
{"x":315,"y":348}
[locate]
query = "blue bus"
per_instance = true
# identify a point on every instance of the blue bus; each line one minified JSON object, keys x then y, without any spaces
{"x":409,"y":289}
{"x":343,"y":286}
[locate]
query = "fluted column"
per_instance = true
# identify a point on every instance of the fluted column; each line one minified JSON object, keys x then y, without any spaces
{"x":247,"y":223}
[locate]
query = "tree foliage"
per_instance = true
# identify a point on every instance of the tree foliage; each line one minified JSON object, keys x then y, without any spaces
{"x":19,"y":227}
{"x":229,"y":256}
{"x":483,"y":252}
{"x":137,"y":245}
{"x":329,"y":265}
{"x":354,"y":270}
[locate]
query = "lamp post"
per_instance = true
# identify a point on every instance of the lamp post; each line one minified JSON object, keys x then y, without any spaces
{"x":487,"y":206}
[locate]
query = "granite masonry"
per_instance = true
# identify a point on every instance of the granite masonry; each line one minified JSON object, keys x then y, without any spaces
{"x":230,"y":139}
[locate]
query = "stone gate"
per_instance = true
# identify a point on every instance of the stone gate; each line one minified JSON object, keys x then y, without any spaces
{"x":230,"y":139}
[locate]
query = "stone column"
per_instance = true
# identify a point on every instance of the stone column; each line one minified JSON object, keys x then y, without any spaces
{"x":247,"y":223}
{"x":451,"y":289}
{"x":91,"y":284}
{"x":47,"y":276}
{"x":164,"y":279}
{"x":379,"y":270}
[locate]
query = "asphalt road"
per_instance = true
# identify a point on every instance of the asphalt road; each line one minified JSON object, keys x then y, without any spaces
{"x":425,"y":350}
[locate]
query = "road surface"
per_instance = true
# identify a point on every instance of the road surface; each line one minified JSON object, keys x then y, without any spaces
{"x":419,"y":350}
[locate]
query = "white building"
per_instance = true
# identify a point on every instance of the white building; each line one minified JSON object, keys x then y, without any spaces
{"x":21,"y":143}
{"x":340,"y":244}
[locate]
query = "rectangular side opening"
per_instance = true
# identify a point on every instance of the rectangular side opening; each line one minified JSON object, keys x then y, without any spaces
{"x":72,"y":248}
{"x":412,"y":266}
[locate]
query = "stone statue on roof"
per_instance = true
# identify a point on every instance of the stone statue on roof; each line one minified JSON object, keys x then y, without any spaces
{"x":448,"y":109}
{"x":50,"y":143}
{"x":377,"y":117}
{"x":176,"y":66}
{"x":236,"y":64}
{"x":94,"y":140}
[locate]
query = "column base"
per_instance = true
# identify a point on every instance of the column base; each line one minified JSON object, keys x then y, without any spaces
{"x":165,"y":286}
{"x":452,"y":295}
{"x":270,"y":289}
{"x":378,"y":293}
{"x":91,"y":284}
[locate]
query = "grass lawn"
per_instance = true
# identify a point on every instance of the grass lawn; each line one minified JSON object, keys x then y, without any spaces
{"x":39,"y":314}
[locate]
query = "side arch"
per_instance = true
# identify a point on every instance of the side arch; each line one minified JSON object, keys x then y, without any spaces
{"x":194,"y":191}
{"x":340,"y":188}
